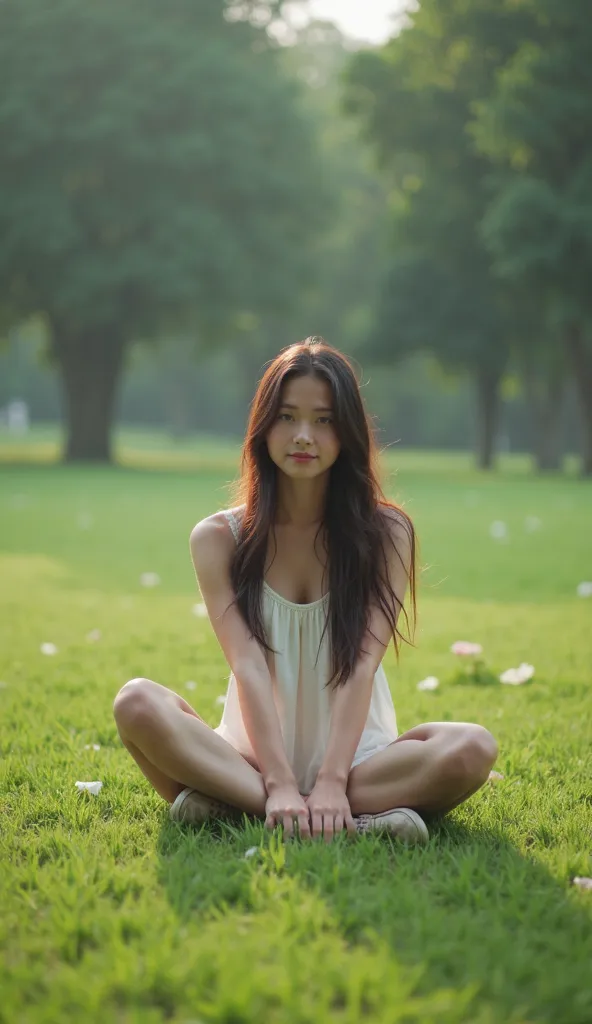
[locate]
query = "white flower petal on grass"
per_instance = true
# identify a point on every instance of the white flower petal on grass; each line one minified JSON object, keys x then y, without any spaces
{"x":150,"y":579}
{"x":92,"y":746}
{"x":221,"y":699}
{"x":251,"y":852}
{"x":466,"y":649}
{"x":48,"y":649}
{"x":94,"y":636}
{"x":582,"y":882}
{"x":494,"y":776}
{"x":90,"y":787}
{"x":532,"y":523}
{"x":200,"y":610}
{"x":517,"y":676}
{"x":584,"y":589}
{"x":429,"y":683}
{"x":498,"y":530}
{"x":190,"y":685}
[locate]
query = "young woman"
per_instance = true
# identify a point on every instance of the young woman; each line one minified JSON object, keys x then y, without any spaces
{"x":304,"y":580}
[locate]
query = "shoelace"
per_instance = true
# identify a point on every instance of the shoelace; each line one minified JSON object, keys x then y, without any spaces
{"x":363,"y":822}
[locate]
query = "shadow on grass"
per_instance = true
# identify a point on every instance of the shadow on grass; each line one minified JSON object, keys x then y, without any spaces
{"x":468,"y":908}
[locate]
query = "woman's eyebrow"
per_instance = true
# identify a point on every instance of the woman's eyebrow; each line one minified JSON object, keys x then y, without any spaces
{"x":317,"y":408}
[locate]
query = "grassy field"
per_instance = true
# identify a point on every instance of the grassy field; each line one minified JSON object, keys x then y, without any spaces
{"x":109,"y":912}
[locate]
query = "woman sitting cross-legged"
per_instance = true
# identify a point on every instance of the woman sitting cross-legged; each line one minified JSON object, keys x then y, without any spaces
{"x":304,"y":580}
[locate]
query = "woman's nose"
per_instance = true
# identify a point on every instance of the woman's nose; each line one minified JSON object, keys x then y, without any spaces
{"x":303,"y":433}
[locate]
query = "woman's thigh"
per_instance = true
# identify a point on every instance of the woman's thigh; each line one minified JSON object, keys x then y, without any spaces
{"x":161,"y":695}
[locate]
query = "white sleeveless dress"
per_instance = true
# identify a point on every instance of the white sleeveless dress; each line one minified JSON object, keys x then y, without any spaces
{"x":302,"y":700}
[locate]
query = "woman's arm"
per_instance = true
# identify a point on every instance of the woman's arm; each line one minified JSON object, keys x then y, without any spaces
{"x":352,"y":701}
{"x":212,"y":548}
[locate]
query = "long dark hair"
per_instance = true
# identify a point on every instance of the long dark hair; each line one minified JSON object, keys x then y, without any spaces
{"x":356,"y":514}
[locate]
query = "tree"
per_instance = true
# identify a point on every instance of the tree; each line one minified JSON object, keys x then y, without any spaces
{"x":415,"y":98}
{"x":537,"y":127}
{"x":158,"y":175}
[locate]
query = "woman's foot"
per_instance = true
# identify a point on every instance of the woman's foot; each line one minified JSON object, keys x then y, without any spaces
{"x":193,"y":807}
{"x":400,"y":822}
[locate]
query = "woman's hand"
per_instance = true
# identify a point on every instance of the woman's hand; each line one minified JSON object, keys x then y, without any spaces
{"x":285,"y":806}
{"x":329,"y":810}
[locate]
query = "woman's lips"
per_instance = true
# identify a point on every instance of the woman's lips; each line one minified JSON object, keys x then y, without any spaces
{"x":302,"y":457}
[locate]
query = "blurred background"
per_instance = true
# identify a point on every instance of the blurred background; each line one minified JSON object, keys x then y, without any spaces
{"x":187,"y":187}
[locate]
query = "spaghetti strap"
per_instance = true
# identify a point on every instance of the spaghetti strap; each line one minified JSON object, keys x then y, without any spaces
{"x":232,"y":522}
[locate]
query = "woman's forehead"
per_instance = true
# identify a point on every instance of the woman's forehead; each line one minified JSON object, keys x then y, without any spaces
{"x":307,"y":391}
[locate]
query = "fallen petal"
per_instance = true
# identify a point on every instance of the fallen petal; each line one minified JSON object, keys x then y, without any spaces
{"x":91,"y":787}
{"x":466,"y":649}
{"x":494,"y":776}
{"x":48,"y":649}
{"x":582,"y":883}
{"x":150,"y":579}
{"x":92,"y":746}
{"x":498,"y":530}
{"x":429,"y":683}
{"x":190,"y":685}
{"x":200,"y":610}
{"x":584,"y":589}
{"x":221,"y":699}
{"x":251,"y":852}
{"x":517,"y":676}
{"x":93,"y":636}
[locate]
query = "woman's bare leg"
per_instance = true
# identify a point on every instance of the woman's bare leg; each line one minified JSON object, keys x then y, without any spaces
{"x":174,"y":748}
{"x":431,"y":769}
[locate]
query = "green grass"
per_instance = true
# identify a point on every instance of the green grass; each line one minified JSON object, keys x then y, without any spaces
{"x":109,"y":912}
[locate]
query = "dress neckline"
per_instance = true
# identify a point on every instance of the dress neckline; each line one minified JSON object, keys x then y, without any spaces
{"x":273,"y":593}
{"x":295,"y":604}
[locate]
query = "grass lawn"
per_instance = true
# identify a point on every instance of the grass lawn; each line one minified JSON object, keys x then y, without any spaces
{"x":110,"y":913}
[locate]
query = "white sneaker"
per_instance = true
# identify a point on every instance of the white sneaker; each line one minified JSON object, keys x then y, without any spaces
{"x":194,"y":807}
{"x":400,"y":822}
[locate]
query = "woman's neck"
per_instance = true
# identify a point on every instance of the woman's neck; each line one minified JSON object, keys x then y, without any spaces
{"x":301,"y":503}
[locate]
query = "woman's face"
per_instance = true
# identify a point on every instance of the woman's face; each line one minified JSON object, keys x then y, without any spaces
{"x":304,"y":425}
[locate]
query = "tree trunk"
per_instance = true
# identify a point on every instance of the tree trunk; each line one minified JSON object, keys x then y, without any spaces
{"x":545,"y":399}
{"x":487,"y":383}
{"x":90,"y":366}
{"x":581,"y":360}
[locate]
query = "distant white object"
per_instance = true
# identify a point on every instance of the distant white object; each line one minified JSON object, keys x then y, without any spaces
{"x":190,"y":685}
{"x":494,"y":776}
{"x":150,"y":579}
{"x":532,"y":523}
{"x":429,"y":683}
{"x":91,"y":787}
{"x":221,"y":699}
{"x":582,"y":882}
{"x":48,"y":649}
{"x":92,"y":746}
{"x":17,"y":417}
{"x":466,"y":649}
{"x":516,"y":676}
{"x":94,"y":636}
{"x":200,"y":610}
{"x":498,"y":530}
{"x":584,"y":589}
{"x":251,"y":852}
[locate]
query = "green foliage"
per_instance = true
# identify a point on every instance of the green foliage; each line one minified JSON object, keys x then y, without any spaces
{"x":536,"y":126}
{"x":155,"y":166}
{"x":108,"y":911}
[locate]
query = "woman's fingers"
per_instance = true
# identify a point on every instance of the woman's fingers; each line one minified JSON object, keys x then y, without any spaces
{"x":304,"y":825}
{"x":350,"y":825}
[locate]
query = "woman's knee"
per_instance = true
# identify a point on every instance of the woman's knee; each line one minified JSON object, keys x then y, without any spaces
{"x":472,"y":755}
{"x":135,"y":704}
